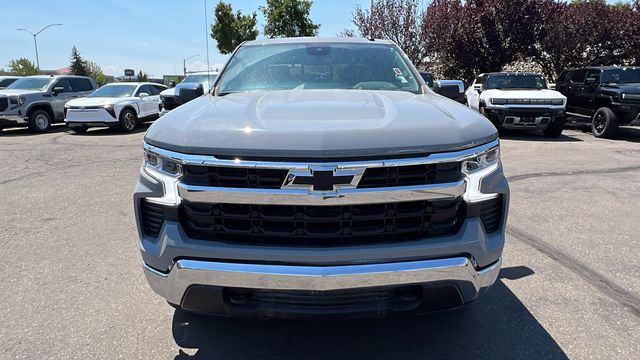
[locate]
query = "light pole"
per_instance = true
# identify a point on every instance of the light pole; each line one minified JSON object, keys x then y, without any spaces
{"x":184,"y":64}
{"x":35,"y":41}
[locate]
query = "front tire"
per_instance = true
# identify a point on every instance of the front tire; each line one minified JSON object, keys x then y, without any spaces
{"x":128,"y":120}
{"x":39,"y":121}
{"x":604,"y":123}
{"x":554,"y":130}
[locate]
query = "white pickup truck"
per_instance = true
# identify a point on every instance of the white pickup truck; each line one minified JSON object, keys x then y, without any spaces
{"x":518,"y":101}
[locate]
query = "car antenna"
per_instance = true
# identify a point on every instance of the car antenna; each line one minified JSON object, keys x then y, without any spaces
{"x":371,"y":38}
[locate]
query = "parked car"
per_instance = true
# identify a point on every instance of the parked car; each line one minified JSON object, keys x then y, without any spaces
{"x":321,"y":176}
{"x":7,"y":80}
{"x":169,"y":97}
{"x":514,"y":100}
{"x":38,"y":101}
{"x":606,"y":97}
{"x":122,"y":105}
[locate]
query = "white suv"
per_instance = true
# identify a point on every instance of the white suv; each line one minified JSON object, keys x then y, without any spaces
{"x":518,"y":101}
{"x":122,"y":105}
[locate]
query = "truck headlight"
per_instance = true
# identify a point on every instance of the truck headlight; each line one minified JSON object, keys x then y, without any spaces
{"x":166,"y":171}
{"x":157,"y":162}
{"x":475,"y":168}
{"x":17,"y":101}
{"x":557,"y":102}
{"x":498,"y":101}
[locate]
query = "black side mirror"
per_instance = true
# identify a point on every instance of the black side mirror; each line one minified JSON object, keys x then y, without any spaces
{"x":188,"y":92}
{"x":57,"y":90}
{"x":452,"y":89}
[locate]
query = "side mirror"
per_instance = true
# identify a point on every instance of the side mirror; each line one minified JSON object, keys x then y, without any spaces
{"x":57,"y":90}
{"x":477,"y":87}
{"x":143,"y":95}
{"x":452,"y":89}
{"x":188,"y":92}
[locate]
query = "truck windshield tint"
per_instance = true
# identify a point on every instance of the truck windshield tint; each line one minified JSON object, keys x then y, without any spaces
{"x":516,"y":82}
{"x":621,"y":76}
{"x":31,"y":84}
{"x":317,"y":66}
{"x":114,"y":91}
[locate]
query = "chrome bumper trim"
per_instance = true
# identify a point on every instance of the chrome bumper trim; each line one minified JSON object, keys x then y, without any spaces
{"x":185,"y":273}
{"x":206,"y":194}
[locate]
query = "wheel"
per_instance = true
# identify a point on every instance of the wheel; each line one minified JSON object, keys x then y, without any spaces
{"x":604,"y":123}
{"x":79,"y":129}
{"x":554,"y":129}
{"x":128,"y":120}
{"x":39,"y":121}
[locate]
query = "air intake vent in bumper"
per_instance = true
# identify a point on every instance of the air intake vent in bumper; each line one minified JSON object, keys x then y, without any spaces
{"x":153,"y":216}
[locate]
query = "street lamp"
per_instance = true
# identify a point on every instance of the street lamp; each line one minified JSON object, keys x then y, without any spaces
{"x":35,"y":42}
{"x":184,"y":64}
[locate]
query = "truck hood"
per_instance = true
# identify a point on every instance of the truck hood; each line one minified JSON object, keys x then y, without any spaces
{"x":320,"y":123}
{"x":632,"y":88}
{"x":15,"y":92}
{"x":168,"y":92}
{"x":97,"y":101}
{"x":522,"y":94}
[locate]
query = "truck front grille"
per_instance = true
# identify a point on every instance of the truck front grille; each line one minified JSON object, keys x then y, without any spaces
{"x":169,"y":102}
{"x":4,"y":103}
{"x":318,"y":226}
{"x":257,"y":178}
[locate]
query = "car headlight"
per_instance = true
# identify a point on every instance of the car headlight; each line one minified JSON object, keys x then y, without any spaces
{"x":166,"y":171}
{"x":557,"y":102}
{"x":17,"y":101}
{"x":498,"y":101}
{"x":475,"y":168}
{"x":108,"y":106}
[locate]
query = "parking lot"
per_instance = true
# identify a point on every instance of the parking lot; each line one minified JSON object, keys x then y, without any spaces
{"x":73,"y":286}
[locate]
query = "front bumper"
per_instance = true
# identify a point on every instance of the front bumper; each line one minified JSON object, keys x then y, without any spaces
{"x":458,"y":271}
{"x":11,"y":119}
{"x":523,"y":118}
{"x":90,"y":117}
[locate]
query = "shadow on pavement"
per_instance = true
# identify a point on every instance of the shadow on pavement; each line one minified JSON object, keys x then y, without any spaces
{"x":497,"y":326}
{"x":625,"y":133}
{"x":112,"y":131}
{"x":534,"y":136}
{"x":24,"y":131}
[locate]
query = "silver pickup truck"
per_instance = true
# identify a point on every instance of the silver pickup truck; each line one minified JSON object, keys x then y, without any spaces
{"x":38,"y":101}
{"x":320,"y":176}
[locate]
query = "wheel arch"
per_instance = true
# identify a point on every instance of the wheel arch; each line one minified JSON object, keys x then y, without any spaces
{"x":41,"y":106}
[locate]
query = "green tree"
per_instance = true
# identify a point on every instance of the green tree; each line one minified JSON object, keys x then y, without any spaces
{"x":22,"y":67}
{"x":289,"y":18}
{"x":95,"y":71}
{"x":142,"y":76}
{"x":78,"y":64}
{"x":231,"y":30}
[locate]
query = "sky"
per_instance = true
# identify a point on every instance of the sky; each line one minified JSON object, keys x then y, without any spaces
{"x":149,"y":35}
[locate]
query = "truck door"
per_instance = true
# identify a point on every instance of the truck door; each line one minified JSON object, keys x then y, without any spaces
{"x":575,"y":87}
{"x":586,"y":99}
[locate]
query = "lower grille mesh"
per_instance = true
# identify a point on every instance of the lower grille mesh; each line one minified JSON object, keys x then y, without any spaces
{"x":322,"y":225}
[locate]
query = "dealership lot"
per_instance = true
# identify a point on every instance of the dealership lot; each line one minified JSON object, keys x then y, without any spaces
{"x":73,"y":286}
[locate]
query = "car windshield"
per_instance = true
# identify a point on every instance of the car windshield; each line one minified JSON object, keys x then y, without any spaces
{"x":199,"y":79}
{"x":621,"y":76}
{"x":31,"y":84}
{"x":114,"y":91}
{"x":317,"y":66}
{"x":516,"y":82}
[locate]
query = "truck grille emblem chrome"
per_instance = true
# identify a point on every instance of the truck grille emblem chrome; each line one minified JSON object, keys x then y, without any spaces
{"x":322,"y":179}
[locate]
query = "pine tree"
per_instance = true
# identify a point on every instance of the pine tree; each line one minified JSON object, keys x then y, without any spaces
{"x":78,"y":64}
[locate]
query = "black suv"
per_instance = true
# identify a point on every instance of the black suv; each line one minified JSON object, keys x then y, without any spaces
{"x":605,"y":96}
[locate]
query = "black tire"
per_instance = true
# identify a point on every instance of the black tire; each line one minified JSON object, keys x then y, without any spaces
{"x":79,"y":129}
{"x":39,"y":121}
{"x":554,"y":129}
{"x":604,"y":123}
{"x":128,"y":120}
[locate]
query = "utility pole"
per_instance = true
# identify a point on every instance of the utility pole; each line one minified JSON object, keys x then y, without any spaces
{"x":35,"y":41}
{"x":184,"y":64}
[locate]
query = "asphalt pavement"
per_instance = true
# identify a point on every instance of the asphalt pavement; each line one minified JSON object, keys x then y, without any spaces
{"x":72,"y":286}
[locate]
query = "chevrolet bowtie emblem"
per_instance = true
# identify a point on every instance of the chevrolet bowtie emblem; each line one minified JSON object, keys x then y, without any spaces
{"x":322,"y":179}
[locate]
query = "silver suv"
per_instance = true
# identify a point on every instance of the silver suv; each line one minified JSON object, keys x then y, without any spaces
{"x":38,"y":101}
{"x":321,"y":176}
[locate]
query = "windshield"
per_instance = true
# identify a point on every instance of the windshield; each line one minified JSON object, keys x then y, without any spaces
{"x":516,"y":82}
{"x":621,"y":76}
{"x":31,"y":84}
{"x":114,"y":91}
{"x":200,"y":79}
{"x":317,"y":66}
